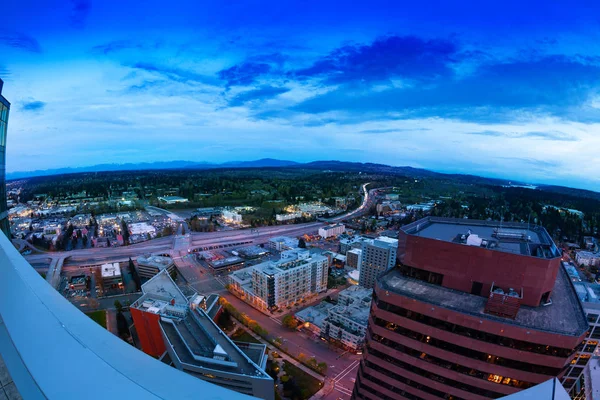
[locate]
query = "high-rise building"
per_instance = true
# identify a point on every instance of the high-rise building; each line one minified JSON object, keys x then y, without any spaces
{"x":377,"y":257}
{"x":4,"y":108}
{"x":474,"y":310}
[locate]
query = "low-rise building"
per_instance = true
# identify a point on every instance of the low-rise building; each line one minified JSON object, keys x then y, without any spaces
{"x":287,"y":217}
{"x":149,"y":265}
{"x":281,"y":243}
{"x":169,"y":322}
{"x":587,"y":258}
{"x":141,"y":228}
{"x":111,"y":275}
{"x":332,"y":230}
{"x":313,"y":317}
{"x":172,"y":199}
{"x":277,"y":284}
{"x":231,"y":216}
{"x":346,"y":325}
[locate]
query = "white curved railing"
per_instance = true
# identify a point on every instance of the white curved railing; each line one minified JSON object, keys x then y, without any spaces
{"x":54,"y":351}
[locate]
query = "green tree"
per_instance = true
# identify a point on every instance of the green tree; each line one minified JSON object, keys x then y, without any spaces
{"x":118,"y":306}
{"x":289,"y":322}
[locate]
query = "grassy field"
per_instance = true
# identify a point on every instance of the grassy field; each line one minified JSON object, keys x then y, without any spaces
{"x":307,"y":384}
{"x":98,"y":316}
{"x":241,"y":335}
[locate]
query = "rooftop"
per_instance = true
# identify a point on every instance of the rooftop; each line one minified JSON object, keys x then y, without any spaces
{"x":358,"y":293}
{"x":356,"y":313}
{"x":564,"y":316}
{"x":162,"y":285}
{"x":509,"y":237}
{"x":111,"y":270}
{"x":159,"y":262}
{"x":315,"y":314}
{"x":198,"y":341}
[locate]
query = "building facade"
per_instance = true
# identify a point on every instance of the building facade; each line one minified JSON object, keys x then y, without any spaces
{"x":377,"y":257}
{"x":149,"y":266}
{"x":332,"y":230}
{"x":587,"y":258}
{"x":4,"y":109}
{"x":354,"y":258}
{"x":170,"y":323}
{"x":272,"y":285}
{"x":473,"y":311}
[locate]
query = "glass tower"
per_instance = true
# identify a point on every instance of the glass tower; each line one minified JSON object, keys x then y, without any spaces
{"x":4,"y":107}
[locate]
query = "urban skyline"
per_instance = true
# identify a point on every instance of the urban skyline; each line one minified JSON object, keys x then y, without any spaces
{"x":505,"y":91}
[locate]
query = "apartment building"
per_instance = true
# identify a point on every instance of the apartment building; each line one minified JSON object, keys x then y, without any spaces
{"x":298,"y":275}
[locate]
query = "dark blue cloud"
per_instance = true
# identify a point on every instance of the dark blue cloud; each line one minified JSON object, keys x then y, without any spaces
{"x":548,"y":85}
{"x":120,"y":45}
{"x":20,"y":41}
{"x":33,"y":105}
{"x":175,"y":74}
{"x":260,"y":94}
{"x":408,"y":57}
{"x":244,"y":74}
{"x":79,"y":12}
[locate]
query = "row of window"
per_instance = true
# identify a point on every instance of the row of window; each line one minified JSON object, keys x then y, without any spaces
{"x":467,"y":352}
{"x":402,"y":379}
{"x":366,"y":387}
{"x":474,"y":333}
{"x":430,"y":375}
{"x":447,"y":364}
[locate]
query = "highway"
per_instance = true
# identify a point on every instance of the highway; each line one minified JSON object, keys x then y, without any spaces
{"x":177,"y":245}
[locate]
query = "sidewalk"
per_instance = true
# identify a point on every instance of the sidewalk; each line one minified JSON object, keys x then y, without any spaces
{"x":283,"y":355}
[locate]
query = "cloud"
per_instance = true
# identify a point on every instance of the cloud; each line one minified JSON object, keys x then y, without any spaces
{"x":407,"y":57}
{"x":175,"y":74}
{"x":495,"y":91}
{"x":79,"y":13}
{"x":550,"y":135}
{"x":20,"y":41}
{"x":391,"y":130}
{"x":260,"y":94}
{"x":120,"y":45}
{"x":244,"y":74}
{"x":33,"y":105}
{"x":541,"y":164}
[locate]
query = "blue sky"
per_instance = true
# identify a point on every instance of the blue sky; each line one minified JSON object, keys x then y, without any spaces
{"x":508,"y":90}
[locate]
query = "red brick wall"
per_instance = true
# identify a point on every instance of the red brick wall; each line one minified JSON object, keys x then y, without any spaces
{"x":461,"y":265}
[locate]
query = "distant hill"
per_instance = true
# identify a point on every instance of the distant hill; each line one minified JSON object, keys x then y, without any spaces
{"x":262,"y":163}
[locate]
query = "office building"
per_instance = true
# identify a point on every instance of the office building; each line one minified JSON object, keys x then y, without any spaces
{"x":354,"y":258}
{"x":331,"y":230}
{"x":149,"y":265}
{"x":232,"y":216}
{"x":272,"y":285}
{"x":111,"y":275}
{"x":377,"y":257}
{"x":4,"y":109}
{"x":352,"y":242}
{"x":474,"y":311}
{"x":171,"y":324}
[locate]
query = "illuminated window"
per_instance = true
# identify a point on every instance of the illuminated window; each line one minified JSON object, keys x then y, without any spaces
{"x":495,"y":378}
